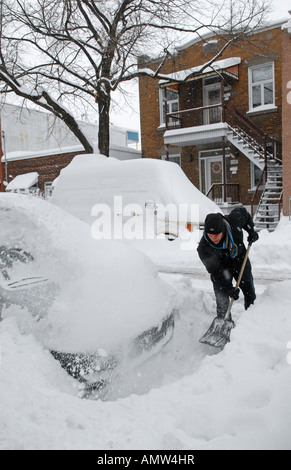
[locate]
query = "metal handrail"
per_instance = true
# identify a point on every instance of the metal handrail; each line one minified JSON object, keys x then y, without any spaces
{"x":221,"y":185}
{"x":259,"y":135}
{"x":268,"y":146}
{"x":177,"y":115}
{"x":260,"y":183}
{"x":233,"y":117}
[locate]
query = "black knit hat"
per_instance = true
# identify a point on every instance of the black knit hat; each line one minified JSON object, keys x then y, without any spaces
{"x":214,"y":224}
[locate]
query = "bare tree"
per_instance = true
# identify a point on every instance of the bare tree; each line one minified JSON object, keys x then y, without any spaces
{"x":58,"y":52}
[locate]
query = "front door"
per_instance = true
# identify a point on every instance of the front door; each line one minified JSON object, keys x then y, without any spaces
{"x":212,"y":96}
{"x":211,"y":173}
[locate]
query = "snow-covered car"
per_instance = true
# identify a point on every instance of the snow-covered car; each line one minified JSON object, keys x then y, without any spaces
{"x":95,"y":305}
{"x":156,"y":193}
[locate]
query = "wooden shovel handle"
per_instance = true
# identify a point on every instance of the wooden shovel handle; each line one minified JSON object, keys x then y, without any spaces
{"x":243,"y":267}
{"x":227,"y":315}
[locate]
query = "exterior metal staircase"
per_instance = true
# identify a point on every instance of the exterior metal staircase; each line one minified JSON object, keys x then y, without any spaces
{"x":261,"y":149}
{"x":265,"y":152}
{"x":248,"y":146}
{"x":268,"y":210}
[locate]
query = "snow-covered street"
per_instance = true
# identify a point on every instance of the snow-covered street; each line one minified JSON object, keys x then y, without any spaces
{"x":187,"y":397}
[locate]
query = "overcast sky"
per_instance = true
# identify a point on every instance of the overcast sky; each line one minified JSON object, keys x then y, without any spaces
{"x":281,"y":8}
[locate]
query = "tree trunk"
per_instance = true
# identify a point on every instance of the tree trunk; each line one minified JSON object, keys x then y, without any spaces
{"x":104,"y":124}
{"x":70,"y":121}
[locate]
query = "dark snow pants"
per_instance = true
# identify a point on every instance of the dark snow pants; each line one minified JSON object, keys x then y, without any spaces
{"x":246,"y":286}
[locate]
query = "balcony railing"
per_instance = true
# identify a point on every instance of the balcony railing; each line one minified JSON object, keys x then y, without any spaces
{"x":195,"y":117}
{"x":213,"y":114}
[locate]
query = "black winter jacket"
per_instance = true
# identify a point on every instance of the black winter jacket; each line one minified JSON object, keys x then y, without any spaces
{"x":218,"y":261}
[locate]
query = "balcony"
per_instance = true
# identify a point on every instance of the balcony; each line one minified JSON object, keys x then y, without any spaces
{"x":196,"y":126}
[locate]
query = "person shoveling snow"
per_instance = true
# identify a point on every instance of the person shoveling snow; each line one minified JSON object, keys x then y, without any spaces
{"x":223,"y":253}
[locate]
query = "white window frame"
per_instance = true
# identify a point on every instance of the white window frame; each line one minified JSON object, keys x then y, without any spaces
{"x":162,"y":100}
{"x":172,"y":156}
{"x":263,"y":106}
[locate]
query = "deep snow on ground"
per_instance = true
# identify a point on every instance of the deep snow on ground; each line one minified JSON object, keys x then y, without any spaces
{"x":189,"y":396}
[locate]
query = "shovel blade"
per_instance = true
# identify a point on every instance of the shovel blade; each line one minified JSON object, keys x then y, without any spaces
{"x":218,"y":334}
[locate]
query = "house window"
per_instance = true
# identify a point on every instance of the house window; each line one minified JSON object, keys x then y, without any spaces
{"x":261,"y":86}
{"x":48,"y":189}
{"x":255,"y":175}
{"x":169,"y":103}
{"x":173,"y":158}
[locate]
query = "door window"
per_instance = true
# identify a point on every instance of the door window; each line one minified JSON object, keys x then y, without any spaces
{"x":212,"y":96}
{"x":211,"y":171}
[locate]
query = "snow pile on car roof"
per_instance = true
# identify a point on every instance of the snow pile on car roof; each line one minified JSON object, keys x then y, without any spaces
{"x":93,"y":178}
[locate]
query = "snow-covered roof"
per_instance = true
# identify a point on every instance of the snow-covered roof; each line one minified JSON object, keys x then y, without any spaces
{"x":116,"y":151}
{"x":26,"y":154}
{"x":215,"y":66}
{"x":288,"y":24}
{"x":210,"y":34}
{"x":24,"y":181}
{"x":31,"y":133}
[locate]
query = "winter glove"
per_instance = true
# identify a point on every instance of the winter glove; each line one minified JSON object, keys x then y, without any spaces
{"x":253,"y":236}
{"x":234,"y":293}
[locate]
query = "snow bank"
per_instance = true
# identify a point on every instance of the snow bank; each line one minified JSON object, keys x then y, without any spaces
{"x":195,"y":398}
{"x":273,"y":249}
{"x":237,"y":399}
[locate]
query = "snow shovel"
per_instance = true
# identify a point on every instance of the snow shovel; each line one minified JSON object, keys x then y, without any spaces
{"x":218,"y":333}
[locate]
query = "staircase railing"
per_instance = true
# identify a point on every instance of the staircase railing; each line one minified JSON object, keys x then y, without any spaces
{"x":280,"y":205}
{"x":212,"y":114}
{"x":258,"y":192}
{"x":267,"y":144}
{"x":216,"y":192}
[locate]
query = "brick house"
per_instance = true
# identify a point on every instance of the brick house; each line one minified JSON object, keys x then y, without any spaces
{"x":45,"y":164}
{"x":223,"y":123}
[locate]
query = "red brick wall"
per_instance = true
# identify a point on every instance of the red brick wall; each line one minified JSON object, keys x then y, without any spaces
{"x":260,"y":48}
{"x":48,"y":167}
{"x":286,"y":120}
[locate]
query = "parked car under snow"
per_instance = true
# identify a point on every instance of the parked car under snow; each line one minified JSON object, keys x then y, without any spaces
{"x":94,"y":305}
{"x":156,"y":193}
